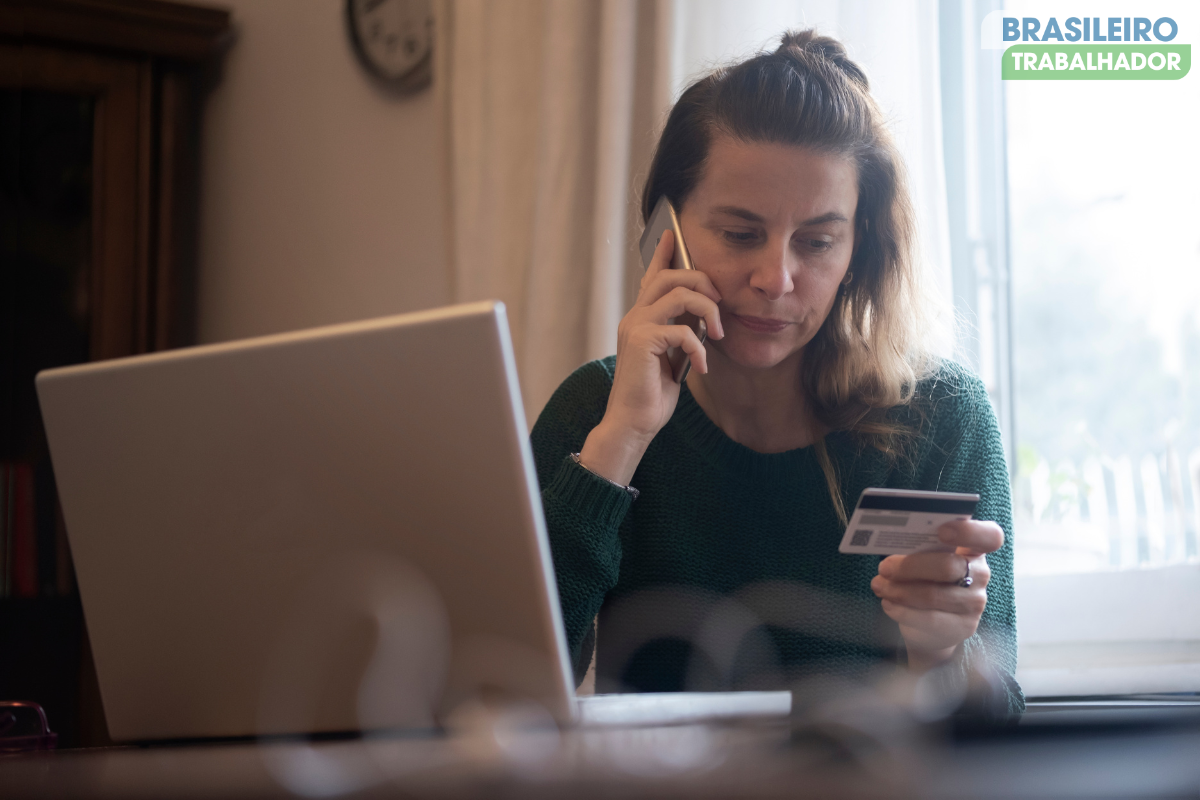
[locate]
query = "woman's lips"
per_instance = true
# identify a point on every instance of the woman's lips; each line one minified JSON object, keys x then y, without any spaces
{"x":760,"y":324}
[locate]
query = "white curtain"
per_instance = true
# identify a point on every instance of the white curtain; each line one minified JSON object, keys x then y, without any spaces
{"x":549,"y":130}
{"x":554,"y":109}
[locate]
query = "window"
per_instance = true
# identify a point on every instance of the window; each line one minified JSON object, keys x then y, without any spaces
{"x":1105,"y":353}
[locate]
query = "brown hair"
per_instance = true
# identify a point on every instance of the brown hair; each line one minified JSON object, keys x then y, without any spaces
{"x":868,"y":355}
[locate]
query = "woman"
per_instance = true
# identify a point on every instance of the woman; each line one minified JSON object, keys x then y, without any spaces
{"x":812,"y":386}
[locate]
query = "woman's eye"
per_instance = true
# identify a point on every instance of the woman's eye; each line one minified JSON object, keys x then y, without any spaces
{"x":741,"y":237}
{"x":817,"y":245}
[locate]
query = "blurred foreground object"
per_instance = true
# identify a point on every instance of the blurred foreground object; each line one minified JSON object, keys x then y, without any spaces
{"x":23,"y":727}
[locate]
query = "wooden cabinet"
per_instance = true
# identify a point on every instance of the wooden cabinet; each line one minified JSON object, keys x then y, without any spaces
{"x":100,"y":104}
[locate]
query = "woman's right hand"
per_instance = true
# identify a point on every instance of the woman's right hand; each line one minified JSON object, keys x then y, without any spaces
{"x":644,"y":391}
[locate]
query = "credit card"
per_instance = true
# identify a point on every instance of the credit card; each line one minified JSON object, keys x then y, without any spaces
{"x":903,"y":521}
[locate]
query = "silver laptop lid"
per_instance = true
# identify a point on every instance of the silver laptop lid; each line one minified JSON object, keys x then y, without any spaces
{"x":335,"y":529}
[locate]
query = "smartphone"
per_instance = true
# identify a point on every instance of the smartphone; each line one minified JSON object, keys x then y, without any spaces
{"x":663,"y":219}
{"x":903,"y":521}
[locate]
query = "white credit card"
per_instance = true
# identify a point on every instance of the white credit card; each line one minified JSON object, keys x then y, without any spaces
{"x":903,"y":521}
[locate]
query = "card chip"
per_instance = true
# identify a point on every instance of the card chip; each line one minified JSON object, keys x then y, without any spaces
{"x":862,"y":538}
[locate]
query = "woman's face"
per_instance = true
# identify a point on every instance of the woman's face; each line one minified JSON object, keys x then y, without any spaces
{"x":772,"y":226}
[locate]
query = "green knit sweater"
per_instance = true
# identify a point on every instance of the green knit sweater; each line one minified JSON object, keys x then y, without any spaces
{"x":725,"y":573}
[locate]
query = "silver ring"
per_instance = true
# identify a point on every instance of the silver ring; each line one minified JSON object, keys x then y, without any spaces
{"x":966,"y":580}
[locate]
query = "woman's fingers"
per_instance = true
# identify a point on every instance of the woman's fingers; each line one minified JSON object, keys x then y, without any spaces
{"x":931,"y":596}
{"x":667,"y":293}
{"x":655,"y":286}
{"x":921,"y":592}
{"x":977,"y":536}
{"x":936,"y":567}
{"x":681,"y":300}
{"x":685,"y":338}
{"x":656,"y":339}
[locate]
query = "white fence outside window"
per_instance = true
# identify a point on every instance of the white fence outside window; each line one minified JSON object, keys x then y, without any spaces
{"x":1108,"y":513}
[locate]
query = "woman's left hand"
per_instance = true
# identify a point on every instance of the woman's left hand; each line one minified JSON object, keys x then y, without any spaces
{"x":922,"y":592}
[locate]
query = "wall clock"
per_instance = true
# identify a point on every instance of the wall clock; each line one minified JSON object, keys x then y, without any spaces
{"x":394,"y":40}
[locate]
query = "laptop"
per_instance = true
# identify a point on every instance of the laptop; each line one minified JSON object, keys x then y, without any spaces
{"x":337,"y":529}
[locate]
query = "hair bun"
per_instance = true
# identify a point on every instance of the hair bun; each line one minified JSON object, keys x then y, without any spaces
{"x":803,"y":45}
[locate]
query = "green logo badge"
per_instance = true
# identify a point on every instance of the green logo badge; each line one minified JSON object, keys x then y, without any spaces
{"x":1096,"y":62}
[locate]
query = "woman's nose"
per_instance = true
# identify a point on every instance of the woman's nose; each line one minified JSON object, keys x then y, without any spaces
{"x":772,"y":275}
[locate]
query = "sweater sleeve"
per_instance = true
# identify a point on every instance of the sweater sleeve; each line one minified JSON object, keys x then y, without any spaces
{"x":583,"y":512}
{"x":967,"y":455}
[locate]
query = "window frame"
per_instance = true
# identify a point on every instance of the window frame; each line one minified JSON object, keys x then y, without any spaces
{"x":974,"y":145}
